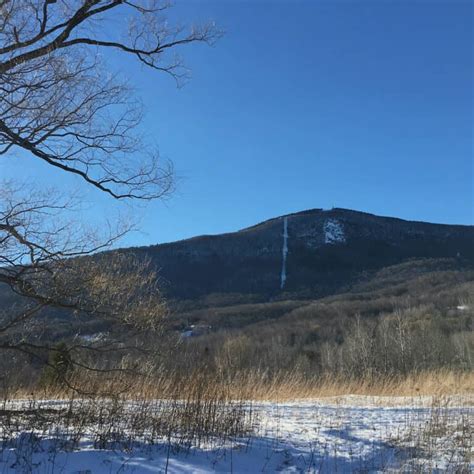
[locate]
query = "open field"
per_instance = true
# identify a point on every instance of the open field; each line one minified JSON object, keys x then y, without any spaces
{"x":333,"y":434}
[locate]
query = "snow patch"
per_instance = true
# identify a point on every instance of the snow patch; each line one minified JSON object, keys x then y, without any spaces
{"x":284,"y":253}
{"x":333,"y":232}
{"x":195,"y":330}
{"x":92,"y":338}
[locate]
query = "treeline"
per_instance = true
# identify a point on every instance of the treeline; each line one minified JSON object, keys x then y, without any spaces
{"x":396,"y":343}
{"x":419,"y":326}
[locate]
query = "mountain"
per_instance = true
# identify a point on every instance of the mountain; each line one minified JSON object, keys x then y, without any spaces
{"x":308,"y":254}
{"x":289,"y":270}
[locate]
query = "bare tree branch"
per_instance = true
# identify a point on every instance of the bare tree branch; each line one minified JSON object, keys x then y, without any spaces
{"x":55,"y":103}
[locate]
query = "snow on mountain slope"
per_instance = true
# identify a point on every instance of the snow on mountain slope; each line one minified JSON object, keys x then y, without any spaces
{"x":333,"y":232}
{"x":284,"y":253}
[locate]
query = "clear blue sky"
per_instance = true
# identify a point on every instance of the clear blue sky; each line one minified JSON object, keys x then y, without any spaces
{"x":359,"y":104}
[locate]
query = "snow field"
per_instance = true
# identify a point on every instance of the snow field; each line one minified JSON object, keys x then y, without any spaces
{"x":349,"y":434}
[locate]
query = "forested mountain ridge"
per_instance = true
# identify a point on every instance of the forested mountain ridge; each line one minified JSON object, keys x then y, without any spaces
{"x":315,"y":253}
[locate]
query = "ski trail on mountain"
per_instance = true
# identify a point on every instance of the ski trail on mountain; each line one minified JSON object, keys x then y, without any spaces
{"x":284,"y":253}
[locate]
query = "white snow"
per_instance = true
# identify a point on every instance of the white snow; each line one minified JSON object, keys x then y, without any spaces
{"x":353,"y":434}
{"x":333,"y":232}
{"x":91,"y":338}
{"x":284,"y":253}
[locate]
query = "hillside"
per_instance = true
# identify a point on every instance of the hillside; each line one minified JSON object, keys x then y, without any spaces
{"x":338,"y":293}
{"x":279,"y":269}
{"x":309,"y":254}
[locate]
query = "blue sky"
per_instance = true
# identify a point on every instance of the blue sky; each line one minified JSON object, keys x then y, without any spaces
{"x":364,"y":105}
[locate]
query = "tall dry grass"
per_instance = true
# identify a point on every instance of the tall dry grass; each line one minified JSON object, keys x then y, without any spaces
{"x":120,"y":412}
{"x":290,"y":386}
{"x":257,"y":385}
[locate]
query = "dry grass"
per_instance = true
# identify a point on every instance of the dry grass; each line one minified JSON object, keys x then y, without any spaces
{"x":255,"y":385}
{"x":284,"y":386}
{"x":207,"y":409}
{"x":124,"y":412}
{"x":446,"y":433}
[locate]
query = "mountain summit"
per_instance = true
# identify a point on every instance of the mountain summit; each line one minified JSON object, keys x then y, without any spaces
{"x":314,"y":252}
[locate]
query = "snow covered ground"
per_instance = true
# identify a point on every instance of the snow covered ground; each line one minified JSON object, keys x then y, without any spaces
{"x":349,"y":434}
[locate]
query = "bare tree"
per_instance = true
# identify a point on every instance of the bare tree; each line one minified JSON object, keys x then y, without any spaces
{"x":60,"y":104}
